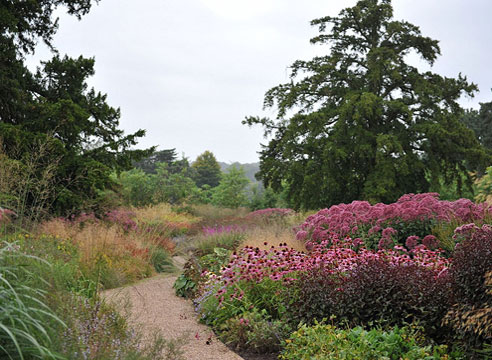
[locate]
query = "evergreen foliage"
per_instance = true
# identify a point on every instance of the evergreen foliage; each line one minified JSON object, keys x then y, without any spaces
{"x":55,"y":106}
{"x":206,"y":170}
{"x":149,"y":164}
{"x":481,"y":123}
{"x":361,"y":122}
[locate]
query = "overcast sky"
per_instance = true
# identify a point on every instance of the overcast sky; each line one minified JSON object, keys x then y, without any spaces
{"x":188,"y":71}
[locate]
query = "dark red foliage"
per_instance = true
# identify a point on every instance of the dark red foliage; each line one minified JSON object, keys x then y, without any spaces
{"x":472,"y":259}
{"x":374,"y":290}
{"x":378,"y":290}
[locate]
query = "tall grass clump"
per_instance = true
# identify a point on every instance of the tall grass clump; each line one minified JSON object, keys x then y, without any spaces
{"x":27,"y":183}
{"x":25,"y":320}
{"x":265,"y":237}
{"x":105,"y":253}
{"x":211,"y":214}
{"x":219,"y":237}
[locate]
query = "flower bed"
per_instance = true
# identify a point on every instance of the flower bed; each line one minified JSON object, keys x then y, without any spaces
{"x":407,"y":222}
{"x":364,"y":264}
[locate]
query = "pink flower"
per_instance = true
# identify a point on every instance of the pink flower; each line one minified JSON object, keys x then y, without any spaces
{"x":430,"y":241}
{"x":388,"y":232}
{"x":412,"y":241}
{"x":385,"y":243}
{"x":301,"y":235}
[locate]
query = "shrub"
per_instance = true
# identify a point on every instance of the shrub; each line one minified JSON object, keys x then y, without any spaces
{"x":395,"y":294}
{"x":410,"y":215}
{"x":323,"y":341}
{"x":96,"y":331}
{"x":372,"y":291}
{"x":270,"y":215}
{"x":254,"y":331}
{"x":471,"y":315}
{"x":472,"y":259}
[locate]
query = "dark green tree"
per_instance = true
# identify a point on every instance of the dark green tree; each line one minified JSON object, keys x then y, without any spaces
{"x":481,"y":123}
{"x":55,"y":105}
{"x":206,"y":170}
{"x":149,"y":164}
{"x":361,"y":122}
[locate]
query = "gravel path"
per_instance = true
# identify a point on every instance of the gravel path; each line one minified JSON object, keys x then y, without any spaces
{"x":153,"y":305}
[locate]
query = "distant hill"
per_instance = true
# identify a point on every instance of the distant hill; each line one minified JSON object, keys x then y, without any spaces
{"x":249,"y":169}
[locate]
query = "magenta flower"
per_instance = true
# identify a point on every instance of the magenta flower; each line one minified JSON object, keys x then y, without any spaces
{"x":412,"y":242}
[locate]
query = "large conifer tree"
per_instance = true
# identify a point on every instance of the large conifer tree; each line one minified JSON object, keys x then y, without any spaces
{"x":55,"y":106}
{"x":361,"y":122}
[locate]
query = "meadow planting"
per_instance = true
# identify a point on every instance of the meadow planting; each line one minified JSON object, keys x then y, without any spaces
{"x":407,"y":280}
{"x":416,"y":271}
{"x":52,"y":278}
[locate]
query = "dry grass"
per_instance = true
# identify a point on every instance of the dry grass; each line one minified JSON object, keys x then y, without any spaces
{"x":93,"y":239}
{"x":272,"y":236}
{"x":214,"y":213}
{"x":162,"y":213}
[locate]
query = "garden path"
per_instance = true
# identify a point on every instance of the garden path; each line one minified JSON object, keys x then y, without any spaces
{"x":153,"y":305}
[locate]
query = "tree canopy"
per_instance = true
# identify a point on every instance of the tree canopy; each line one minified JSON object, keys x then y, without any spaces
{"x":363,"y":123}
{"x":231,"y":191}
{"x":149,"y":164}
{"x":54,"y":105}
{"x":480,"y":121}
{"x":206,"y":170}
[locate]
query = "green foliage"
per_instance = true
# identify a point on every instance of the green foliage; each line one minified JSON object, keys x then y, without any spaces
{"x":484,"y":187}
{"x":217,"y":306}
{"x":161,"y":260}
{"x":480,"y":122}
{"x":231,"y":191}
{"x":206,"y":170}
{"x":56,"y":107}
{"x":149,"y":164}
{"x":206,"y":244}
{"x":188,"y":283}
{"x":139,"y":188}
{"x":184,"y":286}
{"x":214,"y":261}
{"x":250,"y":169}
{"x":323,"y":341}
{"x":366,"y":124}
{"x":254,"y":331}
{"x":262,"y":198}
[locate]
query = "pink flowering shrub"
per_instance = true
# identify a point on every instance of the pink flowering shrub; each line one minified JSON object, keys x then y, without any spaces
{"x":342,"y":256}
{"x":216,"y":230}
{"x":381,"y":225}
{"x":269,"y":216}
{"x":330,"y":280}
{"x":124,"y":218}
{"x":270,"y":213}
